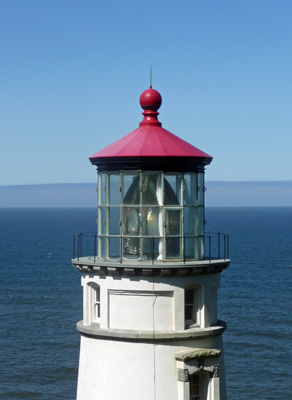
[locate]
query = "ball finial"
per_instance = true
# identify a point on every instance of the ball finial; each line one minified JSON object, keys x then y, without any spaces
{"x":150,"y":99}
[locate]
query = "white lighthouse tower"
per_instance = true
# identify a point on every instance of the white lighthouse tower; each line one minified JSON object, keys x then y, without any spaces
{"x":150,"y":329}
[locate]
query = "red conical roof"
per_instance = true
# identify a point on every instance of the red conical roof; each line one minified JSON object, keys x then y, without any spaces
{"x":150,"y":139}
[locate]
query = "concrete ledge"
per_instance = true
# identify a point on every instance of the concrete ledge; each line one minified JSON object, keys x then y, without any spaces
{"x":195,"y":354}
{"x":94,"y":330}
{"x":146,"y":269}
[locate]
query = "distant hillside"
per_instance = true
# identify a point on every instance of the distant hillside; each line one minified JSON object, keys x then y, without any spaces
{"x":49,"y":195}
{"x":84,"y":194}
{"x":249,"y":193}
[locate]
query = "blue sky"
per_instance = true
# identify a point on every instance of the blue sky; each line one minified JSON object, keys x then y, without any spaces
{"x":72,"y":73}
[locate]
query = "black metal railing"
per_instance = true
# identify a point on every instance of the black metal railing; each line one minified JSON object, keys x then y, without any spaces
{"x":211,"y":246}
{"x":217,"y":246}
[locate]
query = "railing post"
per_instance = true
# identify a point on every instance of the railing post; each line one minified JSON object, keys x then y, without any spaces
{"x":151,"y":249}
{"x":78,"y":245}
{"x":81,"y":245}
{"x":218,"y":246}
{"x":209,"y":248}
{"x":73,"y":246}
{"x":94,"y":251}
{"x":184,"y":250}
{"x":121,"y":249}
{"x":227,"y":245}
{"x":224,"y":246}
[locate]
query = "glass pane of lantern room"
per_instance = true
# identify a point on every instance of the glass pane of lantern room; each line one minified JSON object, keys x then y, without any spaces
{"x":114,"y":220}
{"x":172,"y":190}
{"x":131,"y":189}
{"x":173,"y":248}
{"x":114,"y":247}
{"x":189,"y":248}
{"x":131,"y":247}
{"x":201,"y":226}
{"x":151,"y":189}
{"x":152,"y":249}
{"x":189,"y":232}
{"x":173,"y":222}
{"x":102,"y":189}
{"x":200,"y":189}
{"x":101,"y":220}
{"x":201,"y":247}
{"x":190,"y":189}
{"x":189,"y":221}
{"x":101,"y":247}
{"x":131,"y":221}
{"x":173,"y":232}
{"x":151,"y":224}
{"x":114,"y":189}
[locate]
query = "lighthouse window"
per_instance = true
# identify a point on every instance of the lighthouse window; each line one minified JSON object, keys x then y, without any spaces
{"x":191,"y":307}
{"x":101,"y":220}
{"x":131,"y":247}
{"x":102,"y":250}
{"x":114,"y":189}
{"x":172,"y":189}
{"x":189,"y":232}
{"x":94,"y":295}
{"x":152,"y":248}
{"x":131,"y":189}
{"x":114,"y":247}
{"x":201,"y":189}
{"x":114,"y":220}
{"x":102,"y":189}
{"x":150,"y":221}
{"x":200,"y":232}
{"x":189,"y":248}
{"x":97,"y":302}
{"x":189,"y":221}
{"x":131,"y":221}
{"x":195,"y":387}
{"x":190,"y":189}
{"x":151,"y":189}
{"x":173,"y":222}
{"x":200,"y":220}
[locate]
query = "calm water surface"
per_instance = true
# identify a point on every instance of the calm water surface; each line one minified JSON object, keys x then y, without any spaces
{"x":41,"y":301}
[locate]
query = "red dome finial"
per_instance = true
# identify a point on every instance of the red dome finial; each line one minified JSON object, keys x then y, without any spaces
{"x":150,"y":101}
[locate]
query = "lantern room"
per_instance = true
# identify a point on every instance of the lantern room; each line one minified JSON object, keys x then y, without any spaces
{"x":150,"y":193}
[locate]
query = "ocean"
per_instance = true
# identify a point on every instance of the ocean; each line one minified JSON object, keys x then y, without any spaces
{"x":41,"y":301}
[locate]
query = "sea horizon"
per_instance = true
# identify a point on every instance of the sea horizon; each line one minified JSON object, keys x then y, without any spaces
{"x":218,"y":193}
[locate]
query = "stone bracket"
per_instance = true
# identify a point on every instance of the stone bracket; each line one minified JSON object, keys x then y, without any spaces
{"x":183,"y":375}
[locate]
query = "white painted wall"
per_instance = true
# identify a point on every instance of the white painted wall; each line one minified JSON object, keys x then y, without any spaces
{"x":132,"y":370}
{"x":130,"y":303}
{"x":129,"y":370}
{"x":140,"y":310}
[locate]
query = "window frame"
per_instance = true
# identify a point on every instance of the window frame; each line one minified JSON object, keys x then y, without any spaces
{"x":195,"y":376}
{"x":94,"y":302}
{"x":195,"y":321}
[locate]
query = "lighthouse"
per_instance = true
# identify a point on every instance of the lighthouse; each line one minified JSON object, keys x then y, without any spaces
{"x":150,"y":274}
